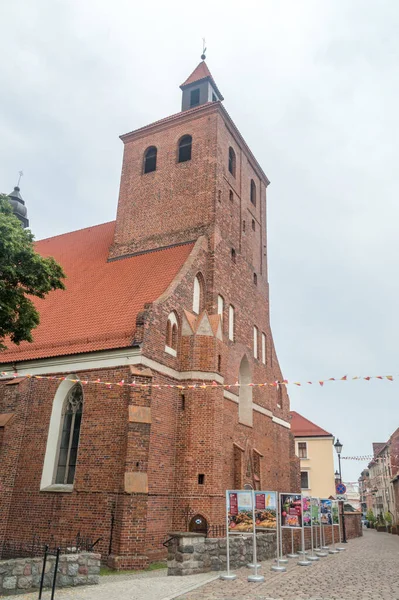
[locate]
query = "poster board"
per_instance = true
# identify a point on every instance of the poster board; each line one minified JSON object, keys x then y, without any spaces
{"x":335,"y":512}
{"x":326,"y":511}
{"x":315,"y":511}
{"x":307,"y":511}
{"x":240,"y":511}
{"x":265,"y":510}
{"x":291,"y":510}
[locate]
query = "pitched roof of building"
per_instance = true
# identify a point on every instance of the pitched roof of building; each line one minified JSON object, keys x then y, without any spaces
{"x":201,"y":72}
{"x":302,"y":427}
{"x":98,"y":309}
{"x":377,"y":447}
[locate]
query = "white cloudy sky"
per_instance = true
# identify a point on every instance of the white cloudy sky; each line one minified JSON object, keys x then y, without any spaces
{"x":313,"y":86}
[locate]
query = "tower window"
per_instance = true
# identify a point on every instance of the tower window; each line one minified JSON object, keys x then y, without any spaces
{"x":220,"y":195}
{"x":233,"y":255}
{"x":198,"y":294}
{"x":231,"y":323}
{"x":253,"y":192}
{"x":231,"y":196}
{"x":243,"y":226}
{"x":255,"y":279}
{"x":214,"y":99}
{"x":185,"y":148}
{"x":194,"y":97}
{"x":232,"y":161}
{"x":150,"y":159}
{"x":201,"y":479}
{"x":253,"y":224}
{"x":171,"y":339}
{"x":263,"y":348}
{"x":220,"y":307}
{"x":219,"y":362}
{"x":255,"y":342}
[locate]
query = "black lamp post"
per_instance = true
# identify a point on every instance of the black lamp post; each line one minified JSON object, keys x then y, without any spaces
{"x":338,"y":448}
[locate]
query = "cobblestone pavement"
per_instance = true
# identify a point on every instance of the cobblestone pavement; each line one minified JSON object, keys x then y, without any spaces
{"x":153,"y":585}
{"x":367,"y":570}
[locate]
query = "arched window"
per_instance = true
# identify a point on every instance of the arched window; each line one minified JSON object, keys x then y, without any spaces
{"x":198,"y":294}
{"x":70,"y":433}
{"x":232,"y":161}
{"x":150,"y":159}
{"x":185,"y":148}
{"x":63,"y":436}
{"x":169,"y":333}
{"x":171,"y":340}
{"x":245,"y":396}
{"x":253,"y":192}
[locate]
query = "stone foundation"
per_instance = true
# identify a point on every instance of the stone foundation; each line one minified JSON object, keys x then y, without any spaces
{"x":23,"y":574}
{"x":191,"y":553}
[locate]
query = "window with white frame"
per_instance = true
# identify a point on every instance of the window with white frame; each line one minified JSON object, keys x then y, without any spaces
{"x":304,"y":480}
{"x":263,"y":348}
{"x":231,"y":323}
{"x":255,"y":342}
{"x":302,"y":450}
{"x":63,"y":437}
{"x":220,"y":307}
{"x":171,"y":334}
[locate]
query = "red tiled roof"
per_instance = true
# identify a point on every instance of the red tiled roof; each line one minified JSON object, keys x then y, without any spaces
{"x":302,"y":427}
{"x":378,"y":446}
{"x":200,"y":72}
{"x":98,"y":309}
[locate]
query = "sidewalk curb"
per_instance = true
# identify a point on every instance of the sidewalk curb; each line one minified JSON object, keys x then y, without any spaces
{"x":191,"y":588}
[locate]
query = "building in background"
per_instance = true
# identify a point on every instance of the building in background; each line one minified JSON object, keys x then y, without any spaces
{"x":315,"y":448}
{"x":383,"y":496}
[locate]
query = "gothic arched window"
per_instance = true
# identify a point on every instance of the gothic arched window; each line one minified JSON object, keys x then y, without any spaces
{"x":172,"y":329}
{"x":150,"y":159}
{"x":185,"y":148}
{"x":253,"y":192}
{"x":70,"y":433}
{"x":232,"y":161}
{"x":198,"y":294}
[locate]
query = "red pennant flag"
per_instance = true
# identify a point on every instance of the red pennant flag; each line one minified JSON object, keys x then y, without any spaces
{"x":321,"y":383}
{"x":344,"y":378}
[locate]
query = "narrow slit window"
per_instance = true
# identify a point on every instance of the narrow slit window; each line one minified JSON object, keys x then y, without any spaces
{"x":253,"y":192}
{"x":185,"y":148}
{"x":231,"y":196}
{"x":233,"y":255}
{"x":231,"y":323}
{"x":201,"y":479}
{"x":232,"y":161}
{"x":255,"y":279}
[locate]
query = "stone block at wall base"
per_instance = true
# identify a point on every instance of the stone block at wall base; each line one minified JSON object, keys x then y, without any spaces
{"x":190,"y":553}
{"x":23,"y":574}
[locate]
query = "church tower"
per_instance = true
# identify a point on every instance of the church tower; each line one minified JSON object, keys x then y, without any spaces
{"x":191,"y":177}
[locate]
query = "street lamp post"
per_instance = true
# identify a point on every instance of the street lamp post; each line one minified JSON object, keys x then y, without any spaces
{"x":338,"y":448}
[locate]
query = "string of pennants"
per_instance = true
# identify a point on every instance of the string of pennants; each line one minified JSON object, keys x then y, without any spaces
{"x":202,"y":385}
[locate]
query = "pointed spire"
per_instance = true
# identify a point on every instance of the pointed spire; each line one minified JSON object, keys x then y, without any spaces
{"x":201,"y":73}
{"x":18,"y":206}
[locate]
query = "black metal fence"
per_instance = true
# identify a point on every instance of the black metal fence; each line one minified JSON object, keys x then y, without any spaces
{"x":216,"y":531}
{"x":35,"y":547}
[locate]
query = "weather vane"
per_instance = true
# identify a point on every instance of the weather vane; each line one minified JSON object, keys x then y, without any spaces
{"x":19,"y":178}
{"x":203,"y":57}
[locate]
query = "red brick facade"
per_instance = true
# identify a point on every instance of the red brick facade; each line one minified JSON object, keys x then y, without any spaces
{"x":186,"y":432}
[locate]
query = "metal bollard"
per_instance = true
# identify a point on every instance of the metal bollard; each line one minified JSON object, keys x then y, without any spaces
{"x":55,"y":572}
{"x":44,"y":567}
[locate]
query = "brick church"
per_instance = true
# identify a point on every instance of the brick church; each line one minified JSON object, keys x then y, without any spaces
{"x":173,"y":297}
